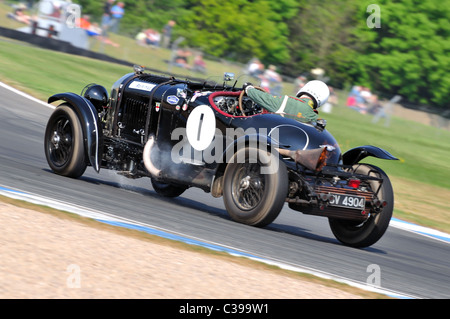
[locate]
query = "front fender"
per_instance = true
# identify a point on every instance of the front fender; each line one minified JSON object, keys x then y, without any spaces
{"x":356,"y":154}
{"x":92,"y":131}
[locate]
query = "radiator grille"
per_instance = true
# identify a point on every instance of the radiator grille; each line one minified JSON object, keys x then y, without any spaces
{"x":133,"y":115}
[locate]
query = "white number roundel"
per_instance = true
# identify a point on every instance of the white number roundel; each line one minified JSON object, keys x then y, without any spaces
{"x":201,"y":127}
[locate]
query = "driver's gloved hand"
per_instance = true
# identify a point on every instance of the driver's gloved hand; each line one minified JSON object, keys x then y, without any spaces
{"x":246,"y":86}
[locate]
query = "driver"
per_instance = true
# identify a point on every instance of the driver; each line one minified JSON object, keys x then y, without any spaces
{"x":303,"y":106}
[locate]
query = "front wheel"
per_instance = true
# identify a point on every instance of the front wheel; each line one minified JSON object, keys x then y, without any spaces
{"x":64,"y":147}
{"x":168,"y":190}
{"x":255,"y":187}
{"x":356,"y":234}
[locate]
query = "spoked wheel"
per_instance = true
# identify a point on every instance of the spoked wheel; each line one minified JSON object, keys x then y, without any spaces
{"x":248,"y":186}
{"x":167,"y":190}
{"x":64,"y":147}
{"x":254,"y":194}
{"x":357,"y":234}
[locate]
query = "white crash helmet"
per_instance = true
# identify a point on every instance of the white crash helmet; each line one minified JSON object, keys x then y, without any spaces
{"x":317,"y":90}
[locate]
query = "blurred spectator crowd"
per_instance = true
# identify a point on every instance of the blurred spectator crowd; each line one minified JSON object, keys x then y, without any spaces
{"x":272,"y":82}
{"x":269,"y":78}
{"x":362,"y":100}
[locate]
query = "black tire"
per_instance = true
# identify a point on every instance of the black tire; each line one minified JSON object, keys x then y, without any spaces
{"x":251,"y":196}
{"x":64,"y":146}
{"x":359,"y":235}
{"x":168,"y":190}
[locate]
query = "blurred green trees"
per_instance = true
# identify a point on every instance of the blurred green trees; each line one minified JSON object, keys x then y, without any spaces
{"x":410,"y":52}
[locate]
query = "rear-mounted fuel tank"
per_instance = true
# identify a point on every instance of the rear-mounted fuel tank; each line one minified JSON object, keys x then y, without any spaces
{"x":134,"y":95}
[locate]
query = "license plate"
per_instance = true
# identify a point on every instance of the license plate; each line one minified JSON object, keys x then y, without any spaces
{"x":347,"y":201}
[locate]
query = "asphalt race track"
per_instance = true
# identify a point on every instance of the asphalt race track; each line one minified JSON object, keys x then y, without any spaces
{"x":409,"y":264}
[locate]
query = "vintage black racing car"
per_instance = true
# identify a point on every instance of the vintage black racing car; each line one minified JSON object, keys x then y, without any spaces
{"x":210,"y":135}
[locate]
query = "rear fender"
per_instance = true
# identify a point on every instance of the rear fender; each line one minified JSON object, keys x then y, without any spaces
{"x":356,"y":154}
{"x":92,"y":132}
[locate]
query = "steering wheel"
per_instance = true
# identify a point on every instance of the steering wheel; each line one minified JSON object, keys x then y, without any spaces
{"x":242,"y":95}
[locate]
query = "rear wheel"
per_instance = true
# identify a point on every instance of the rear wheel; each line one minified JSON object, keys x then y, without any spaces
{"x":254,"y":192}
{"x":364,"y":234}
{"x":64,"y":147}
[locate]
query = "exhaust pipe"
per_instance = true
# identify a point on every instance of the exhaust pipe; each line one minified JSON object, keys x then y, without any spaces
{"x":147,"y":158}
{"x":314,"y":159}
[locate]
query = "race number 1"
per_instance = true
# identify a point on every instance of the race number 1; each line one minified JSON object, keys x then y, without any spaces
{"x":201,"y":127}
